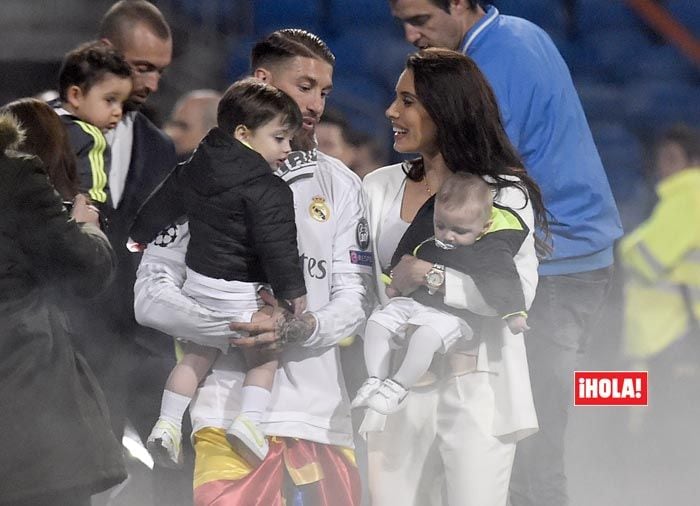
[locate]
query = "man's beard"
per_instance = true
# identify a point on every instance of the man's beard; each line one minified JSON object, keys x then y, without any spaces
{"x":130,"y":105}
{"x":304,"y":140}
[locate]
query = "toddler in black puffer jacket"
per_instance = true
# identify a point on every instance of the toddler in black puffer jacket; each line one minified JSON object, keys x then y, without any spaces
{"x":243,"y":235}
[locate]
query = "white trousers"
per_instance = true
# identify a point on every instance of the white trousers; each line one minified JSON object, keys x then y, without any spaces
{"x":234,"y":300}
{"x":441,"y":443}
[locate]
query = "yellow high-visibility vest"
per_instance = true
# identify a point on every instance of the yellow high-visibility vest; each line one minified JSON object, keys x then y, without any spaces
{"x":661,"y":261}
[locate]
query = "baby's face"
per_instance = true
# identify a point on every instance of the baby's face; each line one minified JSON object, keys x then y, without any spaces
{"x":459,"y":226}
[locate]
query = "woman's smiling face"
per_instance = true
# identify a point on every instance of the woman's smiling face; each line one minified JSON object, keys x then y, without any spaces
{"x":414,"y":130}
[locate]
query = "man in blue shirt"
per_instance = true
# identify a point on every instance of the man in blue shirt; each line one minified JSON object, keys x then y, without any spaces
{"x":544,"y":119}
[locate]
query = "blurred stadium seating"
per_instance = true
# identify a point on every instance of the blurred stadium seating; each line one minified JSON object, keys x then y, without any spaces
{"x":631,"y":82}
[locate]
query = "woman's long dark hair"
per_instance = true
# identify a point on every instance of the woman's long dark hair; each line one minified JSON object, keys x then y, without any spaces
{"x":470,"y":133}
{"x":46,"y":138}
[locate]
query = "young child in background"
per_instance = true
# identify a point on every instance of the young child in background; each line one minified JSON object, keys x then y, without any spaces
{"x":243,"y":234}
{"x":460,"y":228}
{"x":94,"y":82}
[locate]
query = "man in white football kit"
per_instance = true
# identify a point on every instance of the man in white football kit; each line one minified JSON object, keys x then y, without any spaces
{"x":309,"y":415}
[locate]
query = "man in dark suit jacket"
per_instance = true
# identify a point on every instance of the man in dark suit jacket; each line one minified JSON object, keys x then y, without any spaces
{"x":131,"y":362}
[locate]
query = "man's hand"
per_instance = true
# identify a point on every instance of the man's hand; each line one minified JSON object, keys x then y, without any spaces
{"x":272,"y":327}
{"x":263,"y":328}
{"x":409,"y":274}
{"x":298,"y":305}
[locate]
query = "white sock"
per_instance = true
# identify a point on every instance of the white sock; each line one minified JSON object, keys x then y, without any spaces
{"x":254,"y":402}
{"x":173,"y":407}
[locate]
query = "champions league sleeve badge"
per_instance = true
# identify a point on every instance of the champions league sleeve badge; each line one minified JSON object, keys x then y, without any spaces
{"x":166,"y":236}
{"x":319,"y":209}
{"x":362,"y":234}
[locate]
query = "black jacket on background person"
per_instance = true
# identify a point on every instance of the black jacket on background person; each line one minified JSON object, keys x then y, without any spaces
{"x":241,"y":216}
{"x":131,"y":362}
{"x":55,"y":438}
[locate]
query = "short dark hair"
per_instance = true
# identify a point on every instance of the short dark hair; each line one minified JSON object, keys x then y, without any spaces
{"x":289,"y":43}
{"x":445,"y":4}
{"x":254,"y":103}
{"x":125,"y":14}
{"x":685,"y":136}
{"x":88,"y":64}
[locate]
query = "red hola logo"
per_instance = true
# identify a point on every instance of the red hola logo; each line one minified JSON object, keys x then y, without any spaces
{"x":611,"y":388}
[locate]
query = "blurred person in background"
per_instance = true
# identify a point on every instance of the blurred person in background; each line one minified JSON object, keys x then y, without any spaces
{"x":661,"y":262}
{"x":132,"y":362}
{"x":544,"y":119}
{"x":57,"y":447}
{"x":192,"y":117}
{"x":368,"y":153}
{"x":331,"y":135}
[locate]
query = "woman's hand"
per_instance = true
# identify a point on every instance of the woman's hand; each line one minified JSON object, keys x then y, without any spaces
{"x":409,"y":274}
{"x":84,"y":212}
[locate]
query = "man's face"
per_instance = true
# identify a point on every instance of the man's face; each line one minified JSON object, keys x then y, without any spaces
{"x":186,"y":126}
{"x":427,"y":25}
{"x":670,"y":158}
{"x":308,"y":81}
{"x":148,"y":55}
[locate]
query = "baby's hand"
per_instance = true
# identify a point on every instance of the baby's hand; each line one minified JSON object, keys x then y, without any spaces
{"x":517,"y":323}
{"x":391,"y":292}
{"x":298,"y":305}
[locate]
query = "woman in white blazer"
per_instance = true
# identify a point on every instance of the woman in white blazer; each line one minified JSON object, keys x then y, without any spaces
{"x":456,"y":435}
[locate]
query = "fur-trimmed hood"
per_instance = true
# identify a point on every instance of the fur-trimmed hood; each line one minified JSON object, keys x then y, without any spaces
{"x":11,"y":134}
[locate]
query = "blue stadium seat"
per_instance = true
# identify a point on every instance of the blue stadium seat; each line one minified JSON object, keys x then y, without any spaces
{"x":622,"y":154}
{"x":687,"y":12}
{"x":353,"y":14}
{"x":663,"y":62}
{"x":357,"y":53}
{"x":238,"y":65}
{"x":602,"y":102}
{"x":615,"y":50}
{"x":548,"y":14}
{"x":594,"y":15}
{"x":652,"y":106}
{"x":362,"y":100}
{"x":270,"y":15}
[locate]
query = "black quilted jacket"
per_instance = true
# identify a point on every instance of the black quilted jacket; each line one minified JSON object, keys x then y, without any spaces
{"x":241,"y":216}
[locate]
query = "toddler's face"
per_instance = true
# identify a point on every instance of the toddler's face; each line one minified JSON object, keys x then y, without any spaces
{"x":103,"y":104}
{"x":460,"y":226}
{"x":272,"y":141}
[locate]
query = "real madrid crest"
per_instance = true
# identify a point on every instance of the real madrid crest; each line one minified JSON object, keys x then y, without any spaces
{"x":319,"y":209}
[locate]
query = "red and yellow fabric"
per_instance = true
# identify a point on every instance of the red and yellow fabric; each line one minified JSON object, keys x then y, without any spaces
{"x":326,"y":475}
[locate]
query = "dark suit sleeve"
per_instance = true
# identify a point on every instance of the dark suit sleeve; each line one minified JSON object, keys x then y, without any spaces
{"x":271,"y":225}
{"x":60,"y":249}
{"x":162,"y":208}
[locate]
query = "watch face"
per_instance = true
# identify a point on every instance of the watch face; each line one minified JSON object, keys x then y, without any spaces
{"x":435,"y":278}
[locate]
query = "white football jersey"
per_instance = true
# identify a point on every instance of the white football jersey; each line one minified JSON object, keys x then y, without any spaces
{"x":309,"y":400}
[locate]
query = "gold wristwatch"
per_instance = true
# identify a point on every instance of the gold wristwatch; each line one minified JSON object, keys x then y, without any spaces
{"x":435,"y":277}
